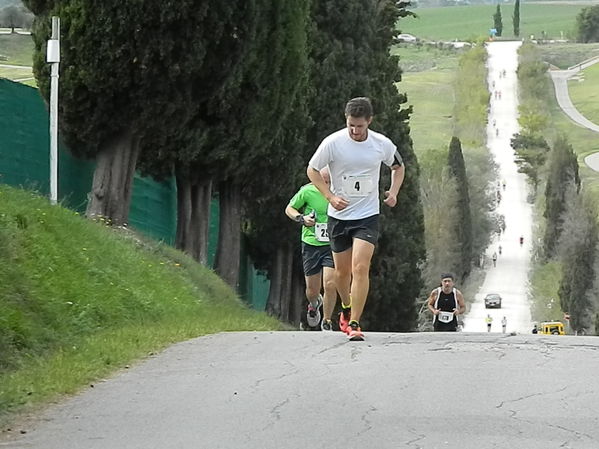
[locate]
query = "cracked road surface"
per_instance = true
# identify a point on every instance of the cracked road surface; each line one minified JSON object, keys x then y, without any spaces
{"x":276,"y":390}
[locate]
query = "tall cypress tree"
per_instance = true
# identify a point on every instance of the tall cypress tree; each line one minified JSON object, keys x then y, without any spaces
{"x":497,"y":21}
{"x":463,"y":226}
{"x":562,"y":178}
{"x":440,"y":199}
{"x":516,"y":18}
{"x":578,"y":246}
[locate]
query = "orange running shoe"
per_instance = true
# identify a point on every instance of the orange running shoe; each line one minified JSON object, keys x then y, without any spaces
{"x":354,"y":332}
{"x":344,"y":317}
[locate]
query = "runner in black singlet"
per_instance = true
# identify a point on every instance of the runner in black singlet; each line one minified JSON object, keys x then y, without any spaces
{"x":446,"y":303}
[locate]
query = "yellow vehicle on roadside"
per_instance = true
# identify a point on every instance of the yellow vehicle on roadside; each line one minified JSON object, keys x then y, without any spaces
{"x":552,"y":328}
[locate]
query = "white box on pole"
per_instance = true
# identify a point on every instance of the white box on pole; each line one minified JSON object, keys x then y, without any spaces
{"x":53,"y":51}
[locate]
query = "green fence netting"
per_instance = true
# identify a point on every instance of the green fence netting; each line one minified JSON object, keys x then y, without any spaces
{"x":24,"y":162}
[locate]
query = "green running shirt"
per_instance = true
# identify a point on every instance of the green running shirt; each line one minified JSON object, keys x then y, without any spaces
{"x":308,"y":199}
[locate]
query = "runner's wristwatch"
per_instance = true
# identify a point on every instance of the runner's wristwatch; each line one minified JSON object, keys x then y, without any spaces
{"x":299,"y":218}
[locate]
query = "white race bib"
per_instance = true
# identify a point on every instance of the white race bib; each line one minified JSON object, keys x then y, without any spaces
{"x":321,"y":232}
{"x":445,"y":317}
{"x":357,"y":185}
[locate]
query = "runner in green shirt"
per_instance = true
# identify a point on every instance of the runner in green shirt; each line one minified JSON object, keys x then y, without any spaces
{"x":309,"y":207}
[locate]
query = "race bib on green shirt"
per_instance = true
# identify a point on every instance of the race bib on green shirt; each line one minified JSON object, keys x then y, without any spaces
{"x":321,"y":232}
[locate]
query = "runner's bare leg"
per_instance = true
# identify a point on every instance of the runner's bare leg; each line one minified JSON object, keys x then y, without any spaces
{"x":330,"y":292}
{"x":343,"y":274}
{"x":362,"y":255}
{"x":313,"y":286}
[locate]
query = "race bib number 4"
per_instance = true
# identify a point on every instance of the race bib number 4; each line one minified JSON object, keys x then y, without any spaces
{"x":322,"y":234}
{"x":357,"y":186}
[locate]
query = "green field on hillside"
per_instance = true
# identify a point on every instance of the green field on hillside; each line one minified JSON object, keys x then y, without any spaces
{"x":584,"y":92}
{"x":467,"y":22}
{"x":17,"y":48}
{"x":427,"y":80}
{"x":564,"y":55}
{"x":431,"y":94}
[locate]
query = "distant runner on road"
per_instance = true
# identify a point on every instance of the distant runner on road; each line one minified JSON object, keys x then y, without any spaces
{"x":446,"y":303}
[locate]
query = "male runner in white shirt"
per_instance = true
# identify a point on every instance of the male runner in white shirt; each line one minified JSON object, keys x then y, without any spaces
{"x":354,"y":155}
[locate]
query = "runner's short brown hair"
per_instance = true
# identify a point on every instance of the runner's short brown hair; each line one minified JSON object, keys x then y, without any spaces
{"x":359,"y":107}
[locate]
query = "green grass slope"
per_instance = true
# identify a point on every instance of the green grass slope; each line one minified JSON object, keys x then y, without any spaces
{"x":79,"y":300}
{"x":584,"y":92}
{"x":16,"y":49}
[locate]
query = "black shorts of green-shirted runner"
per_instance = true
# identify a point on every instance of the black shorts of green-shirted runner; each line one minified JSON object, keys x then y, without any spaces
{"x":314,"y":258}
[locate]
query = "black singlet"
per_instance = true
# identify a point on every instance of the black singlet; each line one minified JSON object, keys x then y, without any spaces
{"x":446,"y":302}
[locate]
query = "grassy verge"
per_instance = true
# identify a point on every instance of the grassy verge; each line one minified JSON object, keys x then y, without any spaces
{"x":17,"y":48}
{"x":431,"y":122}
{"x":567,"y":55}
{"x":79,"y":301}
{"x":16,"y":73}
{"x":470,"y":22}
{"x":584,"y":92}
{"x":427,"y":80}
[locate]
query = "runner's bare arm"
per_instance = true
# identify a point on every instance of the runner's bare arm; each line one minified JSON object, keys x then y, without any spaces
{"x":316,"y":178}
{"x":398,"y":173}
{"x":292,"y":212}
{"x":298,"y":216}
{"x":431,"y":302}
{"x":461,"y":303}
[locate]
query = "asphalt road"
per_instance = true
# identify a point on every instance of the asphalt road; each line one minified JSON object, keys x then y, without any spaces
{"x":312,"y":389}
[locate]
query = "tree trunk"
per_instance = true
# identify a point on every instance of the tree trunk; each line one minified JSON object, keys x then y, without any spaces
{"x":112,"y":186}
{"x":201,"y":197}
{"x":229,"y":237}
{"x":193,"y":216}
{"x":298,"y":294}
{"x":273,"y":305}
{"x":286,"y":294}
{"x":183,"y":211}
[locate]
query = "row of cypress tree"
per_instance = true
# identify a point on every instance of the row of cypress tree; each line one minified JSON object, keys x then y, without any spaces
{"x":498,"y":20}
{"x":231,"y":98}
{"x":569,"y":234}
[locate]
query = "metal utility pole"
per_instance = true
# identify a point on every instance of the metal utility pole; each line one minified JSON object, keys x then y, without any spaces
{"x":53,"y":57}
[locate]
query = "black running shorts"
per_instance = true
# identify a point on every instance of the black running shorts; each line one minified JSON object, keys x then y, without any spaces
{"x":343,"y":232}
{"x":452,"y":326}
{"x":315,"y":258}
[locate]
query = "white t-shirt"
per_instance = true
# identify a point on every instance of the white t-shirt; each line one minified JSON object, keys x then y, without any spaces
{"x":355,"y":170}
